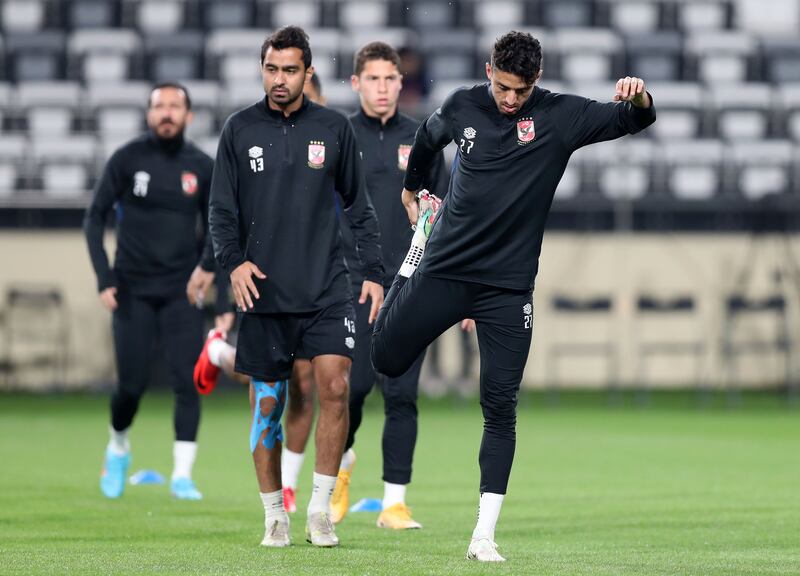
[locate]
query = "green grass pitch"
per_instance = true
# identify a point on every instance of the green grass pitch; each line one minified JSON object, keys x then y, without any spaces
{"x":669,"y":490}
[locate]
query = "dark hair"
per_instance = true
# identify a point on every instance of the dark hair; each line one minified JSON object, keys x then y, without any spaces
{"x":176,"y":86}
{"x":316,"y":83}
{"x":518,"y":53}
{"x":288,"y":37}
{"x":374,"y":51}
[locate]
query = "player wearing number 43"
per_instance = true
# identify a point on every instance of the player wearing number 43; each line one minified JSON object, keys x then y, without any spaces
{"x":274,"y":224}
{"x":480,"y":262}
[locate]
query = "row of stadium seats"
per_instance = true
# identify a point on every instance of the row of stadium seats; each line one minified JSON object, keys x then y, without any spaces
{"x":774,"y":16}
{"x":571,"y":54}
{"x":743,"y":112}
{"x":630,"y":169}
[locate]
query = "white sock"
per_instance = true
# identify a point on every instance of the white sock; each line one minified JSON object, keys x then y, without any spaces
{"x":348,"y":459}
{"x":118,"y":441}
{"x":488,"y":511}
{"x":321,"y":493}
{"x":184,"y":454}
{"x":273,"y":506}
{"x":393,"y":494}
{"x":291,"y":462}
{"x":415,"y":252}
{"x":216,"y":348}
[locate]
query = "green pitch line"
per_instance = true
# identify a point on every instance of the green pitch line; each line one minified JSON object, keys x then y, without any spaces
{"x":595,"y":490}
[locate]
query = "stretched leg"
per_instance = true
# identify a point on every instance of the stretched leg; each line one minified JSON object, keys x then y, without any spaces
{"x":504,"y":322}
{"x":414,"y":313}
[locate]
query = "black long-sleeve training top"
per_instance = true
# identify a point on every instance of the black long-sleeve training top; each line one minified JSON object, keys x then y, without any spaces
{"x":160,"y":189}
{"x":384,"y":150}
{"x":505,"y":176}
{"x":272,"y":203}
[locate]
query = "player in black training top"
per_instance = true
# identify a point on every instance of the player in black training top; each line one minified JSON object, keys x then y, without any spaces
{"x":514,"y":141}
{"x":274,"y":224}
{"x":159,"y":185}
{"x":384,"y":136}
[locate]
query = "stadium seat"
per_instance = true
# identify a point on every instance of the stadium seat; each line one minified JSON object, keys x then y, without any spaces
{"x":23,"y":16}
{"x":205,"y":103}
{"x":174,"y":56}
{"x":704,"y":15}
{"x":63,"y":164}
{"x":692,"y":168}
{"x":759,"y":169}
{"x":118,"y":108}
{"x":366,"y":14}
{"x":425,"y":14}
{"x":303,"y":13}
{"x":781,"y":59}
{"x":35,"y":56}
{"x":624,"y":168}
{"x":787,"y":110}
{"x":680,"y":110}
{"x":506,"y":14}
{"x":8,"y":179}
{"x":588,"y":55}
{"x":208,"y":144}
{"x":655,"y":56}
{"x":13,"y":158}
{"x":449,"y":54}
{"x":773,"y":18}
{"x":160,"y":16}
{"x":340,"y":95}
{"x":227,"y":13}
{"x":742,"y":111}
{"x":92,"y":14}
{"x":565,"y":14}
{"x":102,"y":54}
{"x":635,"y":16}
{"x":720,"y":56}
{"x":49,"y":106}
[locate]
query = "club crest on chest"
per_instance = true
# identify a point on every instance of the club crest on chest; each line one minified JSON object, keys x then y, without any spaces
{"x":403,"y":152}
{"x":525,"y":131}
{"x":316,"y":154}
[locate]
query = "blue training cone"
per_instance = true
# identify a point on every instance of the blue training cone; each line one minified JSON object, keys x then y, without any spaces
{"x":143,"y":477}
{"x":367,"y":505}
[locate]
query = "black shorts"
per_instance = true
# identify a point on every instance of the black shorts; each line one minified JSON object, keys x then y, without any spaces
{"x":268,"y":344}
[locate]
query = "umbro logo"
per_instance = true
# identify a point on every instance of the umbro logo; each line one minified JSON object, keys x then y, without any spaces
{"x":470,"y":133}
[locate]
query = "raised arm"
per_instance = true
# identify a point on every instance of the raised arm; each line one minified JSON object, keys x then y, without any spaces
{"x":588,"y":121}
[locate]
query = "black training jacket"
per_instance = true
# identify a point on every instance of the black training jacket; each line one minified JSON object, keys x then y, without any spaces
{"x":505,"y":175}
{"x":384,"y":150}
{"x":272,"y":203}
{"x":160,"y":190}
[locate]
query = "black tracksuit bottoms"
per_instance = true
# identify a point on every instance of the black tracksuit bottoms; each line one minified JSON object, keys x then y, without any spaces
{"x":137,"y":322}
{"x":399,"y":401}
{"x":418,"y":309}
